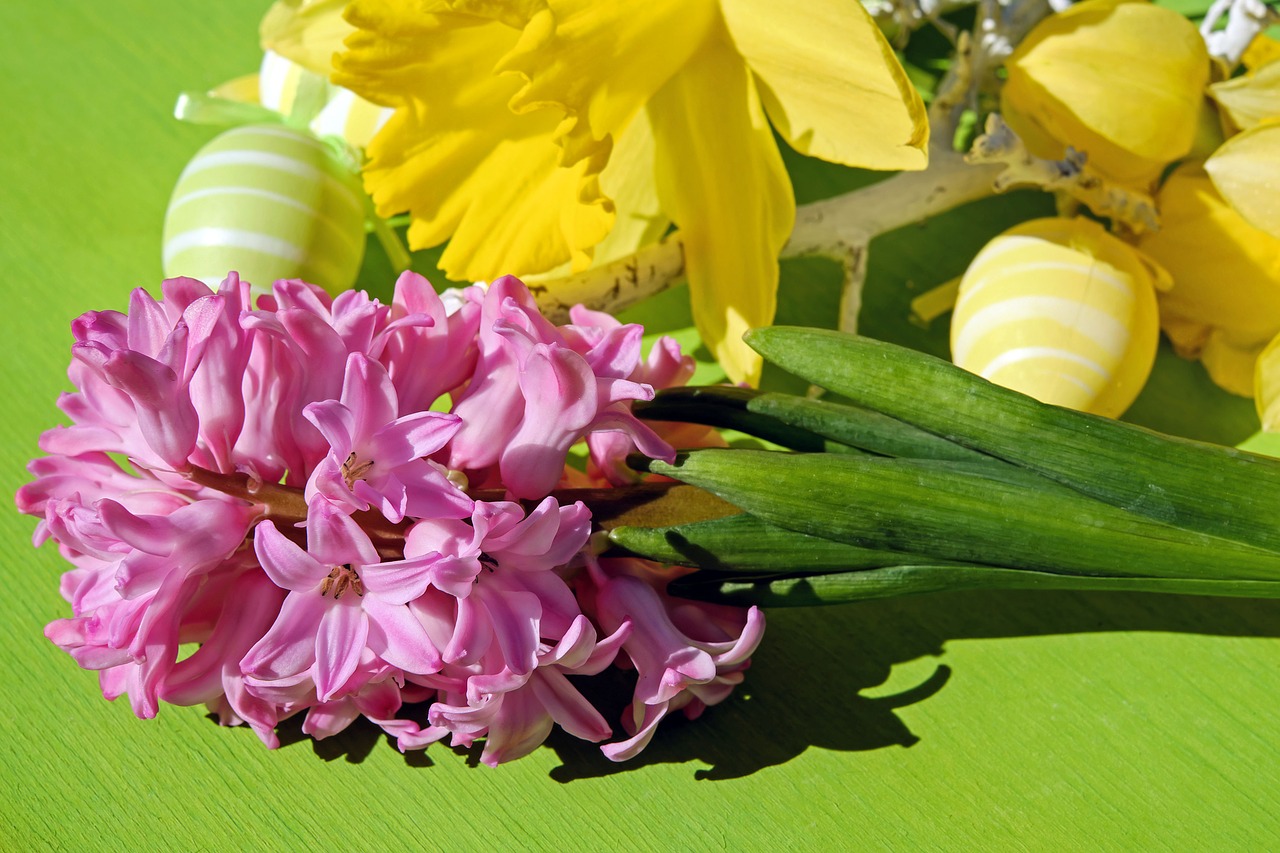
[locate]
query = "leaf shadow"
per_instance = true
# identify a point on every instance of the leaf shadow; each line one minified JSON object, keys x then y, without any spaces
{"x":805,"y":687}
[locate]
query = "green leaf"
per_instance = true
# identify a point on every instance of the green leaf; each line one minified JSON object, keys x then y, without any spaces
{"x":847,"y":587}
{"x":745,"y":544}
{"x":963,"y":512}
{"x":1217,"y":490}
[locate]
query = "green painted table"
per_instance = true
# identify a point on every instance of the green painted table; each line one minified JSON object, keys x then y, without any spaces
{"x":994,"y":722}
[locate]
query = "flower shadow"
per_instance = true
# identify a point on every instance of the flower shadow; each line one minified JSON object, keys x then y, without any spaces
{"x":806,"y":685}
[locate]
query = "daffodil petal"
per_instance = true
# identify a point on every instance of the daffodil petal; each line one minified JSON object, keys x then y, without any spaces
{"x":1266,"y":386}
{"x":721,"y":178}
{"x":1119,"y":80}
{"x":455,"y":157}
{"x":1262,"y":50}
{"x":308,"y":32}
{"x":600,"y":62}
{"x":628,"y":181}
{"x":830,"y":82}
{"x":1246,"y":171}
{"x":1225,"y":299}
{"x":1249,"y":100}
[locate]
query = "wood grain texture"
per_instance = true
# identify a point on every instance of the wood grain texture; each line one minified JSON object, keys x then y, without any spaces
{"x":993,"y":722}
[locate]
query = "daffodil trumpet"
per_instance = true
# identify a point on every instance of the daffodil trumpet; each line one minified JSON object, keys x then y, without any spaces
{"x":965,"y":485}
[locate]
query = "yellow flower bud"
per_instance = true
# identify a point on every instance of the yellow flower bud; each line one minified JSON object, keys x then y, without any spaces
{"x":1224,"y":305}
{"x":1121,"y":81}
{"x":1060,"y":310}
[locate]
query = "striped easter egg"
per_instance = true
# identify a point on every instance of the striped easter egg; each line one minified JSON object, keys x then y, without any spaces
{"x":268,"y":202}
{"x":344,"y":114}
{"x":1062,"y":311}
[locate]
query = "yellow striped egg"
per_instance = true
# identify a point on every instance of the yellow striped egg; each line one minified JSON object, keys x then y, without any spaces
{"x":344,"y":114}
{"x":269,"y":202}
{"x":1062,"y":311}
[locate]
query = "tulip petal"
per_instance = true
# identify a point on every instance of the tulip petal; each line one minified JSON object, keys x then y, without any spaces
{"x":830,"y":82}
{"x":721,"y":178}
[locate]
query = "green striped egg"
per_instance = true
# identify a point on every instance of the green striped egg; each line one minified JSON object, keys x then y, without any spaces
{"x":269,"y":202}
{"x":1062,"y":311}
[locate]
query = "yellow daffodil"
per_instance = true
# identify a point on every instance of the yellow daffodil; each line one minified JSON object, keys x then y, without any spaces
{"x":1266,"y":383}
{"x":1122,"y":81}
{"x":526,"y":130}
{"x":306,"y":32}
{"x":1224,"y":306}
{"x":1250,"y":99}
{"x":1246,"y":171}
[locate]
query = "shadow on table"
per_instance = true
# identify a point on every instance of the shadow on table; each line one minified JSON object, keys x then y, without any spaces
{"x":805,"y":685}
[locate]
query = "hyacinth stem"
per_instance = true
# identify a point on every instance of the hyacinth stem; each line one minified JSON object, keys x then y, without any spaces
{"x":639,"y":504}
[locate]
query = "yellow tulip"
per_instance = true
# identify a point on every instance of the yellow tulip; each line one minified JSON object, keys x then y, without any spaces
{"x":1060,"y":310}
{"x":1121,"y":81}
{"x":509,"y":116}
{"x":1224,"y":305}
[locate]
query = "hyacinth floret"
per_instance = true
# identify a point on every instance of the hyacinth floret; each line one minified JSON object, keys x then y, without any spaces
{"x":345,"y":507}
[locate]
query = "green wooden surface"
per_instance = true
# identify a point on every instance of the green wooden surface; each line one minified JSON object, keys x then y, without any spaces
{"x":993,"y":722}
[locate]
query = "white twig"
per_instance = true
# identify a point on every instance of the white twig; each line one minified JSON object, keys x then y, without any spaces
{"x":1245,"y":19}
{"x":1020,"y":168}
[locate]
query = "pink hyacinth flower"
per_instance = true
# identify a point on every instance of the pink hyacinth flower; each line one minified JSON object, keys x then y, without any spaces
{"x":376,"y":457}
{"x":342,"y":601}
{"x":687,"y":654}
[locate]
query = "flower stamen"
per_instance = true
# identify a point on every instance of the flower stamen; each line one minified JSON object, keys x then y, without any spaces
{"x":352,"y":471}
{"x":339,"y":580}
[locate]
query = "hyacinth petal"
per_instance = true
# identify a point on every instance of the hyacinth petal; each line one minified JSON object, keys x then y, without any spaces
{"x":165,"y":415}
{"x":1246,"y":172}
{"x":330,"y":718}
{"x":455,"y":157}
{"x":721,"y":178}
{"x":520,"y":727}
{"x":399,"y":581}
{"x":289,"y":566}
{"x":514,"y":619}
{"x":412,"y":437}
{"x":1121,"y":81}
{"x":367,"y":391}
{"x":335,"y":538}
{"x":567,"y":707}
{"x":644,"y":727}
{"x":397,"y":637}
{"x":289,"y":647}
{"x":340,"y":639}
{"x":308,"y":32}
{"x":335,"y":422}
{"x":600,"y":62}
{"x":830,"y":82}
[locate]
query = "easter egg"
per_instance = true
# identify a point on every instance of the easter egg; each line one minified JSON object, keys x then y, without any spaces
{"x":269,"y":202}
{"x":1062,"y":311}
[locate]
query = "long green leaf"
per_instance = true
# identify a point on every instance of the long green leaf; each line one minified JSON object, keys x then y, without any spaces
{"x":745,"y":544}
{"x":961,"y":512}
{"x":1226,"y":492}
{"x":846,"y":587}
{"x":727,"y":407}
